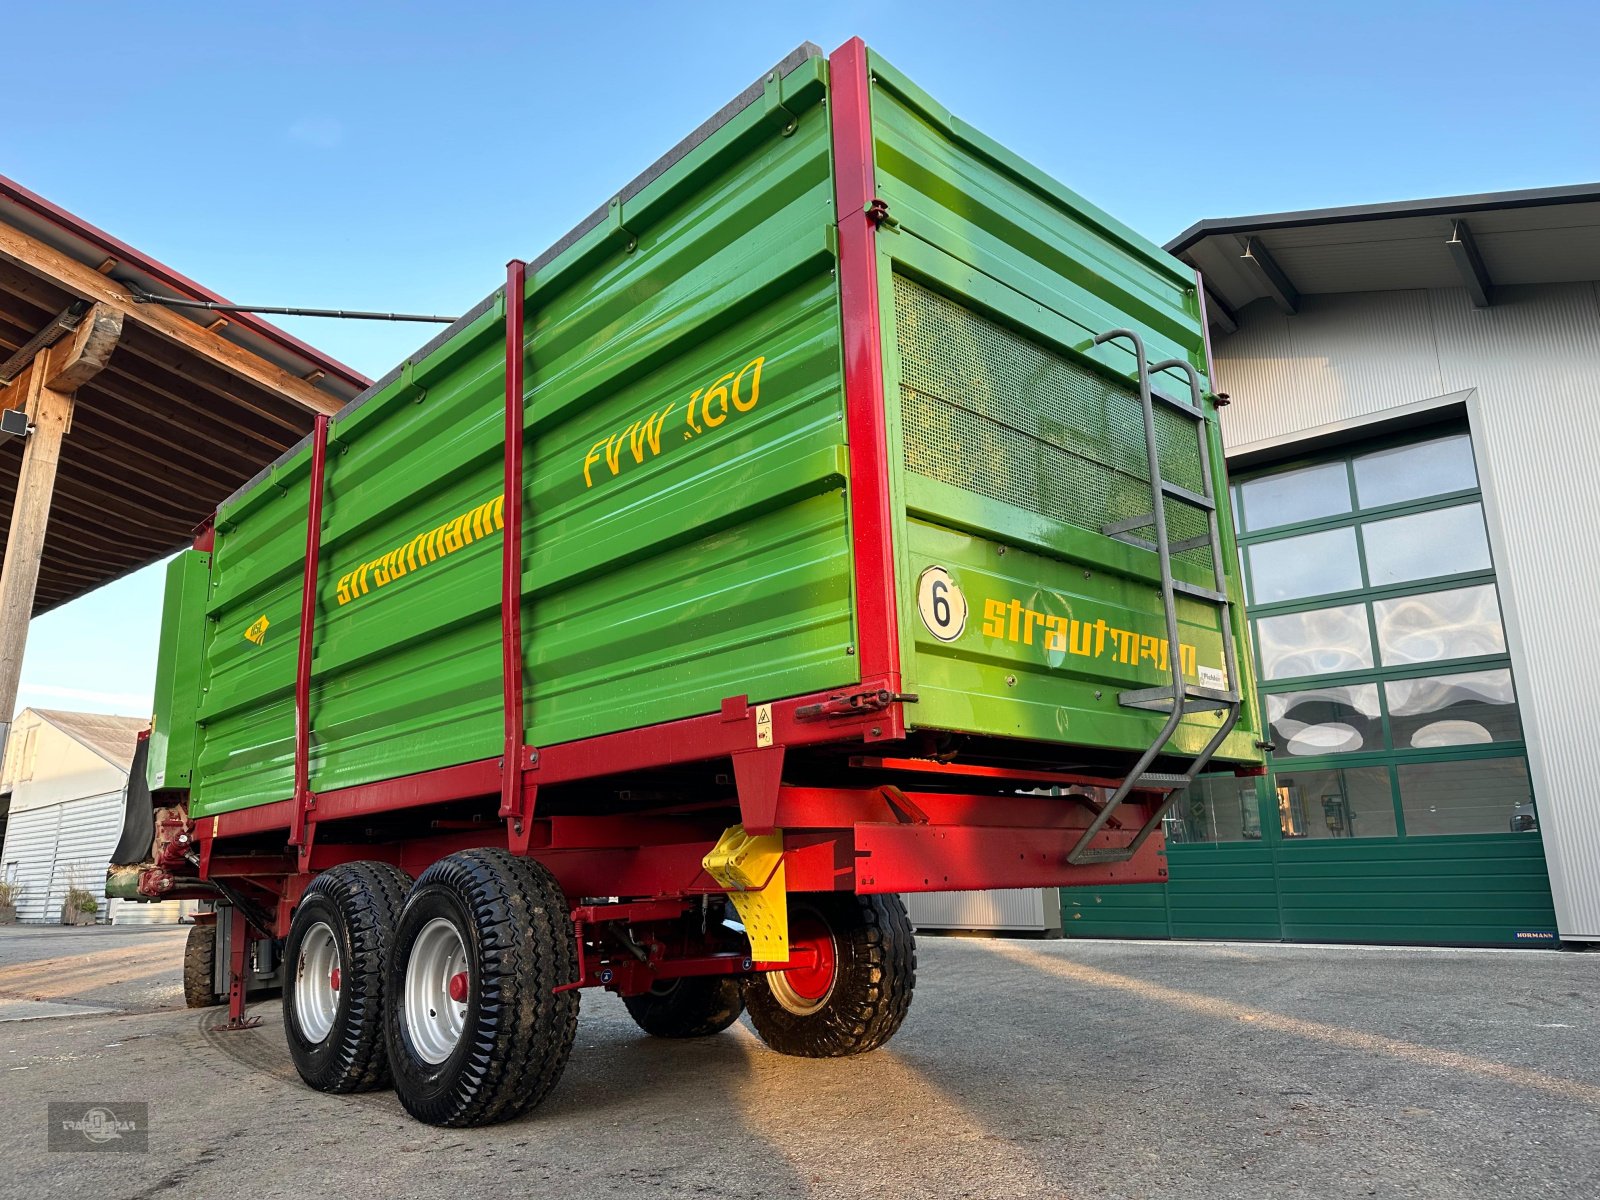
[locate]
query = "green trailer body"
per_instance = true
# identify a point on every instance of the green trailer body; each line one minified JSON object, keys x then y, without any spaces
{"x":688,"y":533}
{"x":838,"y":512}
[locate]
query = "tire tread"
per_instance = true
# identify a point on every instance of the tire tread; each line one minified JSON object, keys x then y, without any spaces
{"x":525,"y":1029}
{"x":200,"y":966}
{"x":368,"y":897}
{"x":872,"y":996}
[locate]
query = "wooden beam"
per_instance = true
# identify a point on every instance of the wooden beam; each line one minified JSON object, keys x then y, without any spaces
{"x":49,"y":412}
{"x":54,"y":377}
{"x":33,"y":255}
{"x":73,"y":361}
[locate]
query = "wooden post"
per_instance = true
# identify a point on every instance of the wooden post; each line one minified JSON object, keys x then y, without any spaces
{"x":51,"y":383}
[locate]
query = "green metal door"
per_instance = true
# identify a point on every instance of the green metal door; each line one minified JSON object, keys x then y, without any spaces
{"x":1397,"y":806}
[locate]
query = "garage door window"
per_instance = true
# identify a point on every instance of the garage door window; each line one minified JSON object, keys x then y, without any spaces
{"x":1385,"y":680}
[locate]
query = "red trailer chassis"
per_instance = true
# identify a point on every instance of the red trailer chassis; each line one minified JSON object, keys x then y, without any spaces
{"x":904,"y":823}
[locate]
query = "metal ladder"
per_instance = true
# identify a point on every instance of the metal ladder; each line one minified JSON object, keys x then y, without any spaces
{"x":1179,"y":697}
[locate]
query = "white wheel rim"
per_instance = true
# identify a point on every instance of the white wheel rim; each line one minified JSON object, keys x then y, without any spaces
{"x":434,"y":1016}
{"x":791,"y":998}
{"x":317,"y":982}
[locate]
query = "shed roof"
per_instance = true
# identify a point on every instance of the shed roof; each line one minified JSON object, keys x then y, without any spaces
{"x":112,"y":738}
{"x":190,"y":405}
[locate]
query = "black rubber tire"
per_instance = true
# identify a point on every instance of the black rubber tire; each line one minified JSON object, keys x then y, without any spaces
{"x":360,"y":902}
{"x":517,"y":931}
{"x":697,"y":1006}
{"x":876,"y":956}
{"x":199,"y":967}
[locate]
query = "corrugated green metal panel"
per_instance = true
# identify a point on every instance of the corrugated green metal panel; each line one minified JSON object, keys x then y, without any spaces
{"x":1044,"y":635}
{"x":685,"y":535}
{"x":1012,"y":428}
{"x":1136,"y":910}
{"x":948,"y":184}
{"x":1486,"y":889}
{"x":246,"y":717}
{"x":1224,"y":891}
{"x":173,"y":732}
{"x":1479,"y":890}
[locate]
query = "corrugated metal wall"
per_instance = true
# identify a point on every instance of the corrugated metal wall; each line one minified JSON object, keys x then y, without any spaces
{"x":1530,"y":370}
{"x":1009,"y":909}
{"x":157,"y":912}
{"x":49,"y":849}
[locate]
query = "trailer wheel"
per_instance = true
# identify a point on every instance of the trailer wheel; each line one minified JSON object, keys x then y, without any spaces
{"x":477,"y":1032}
{"x":854,"y":989}
{"x":200,"y":966}
{"x":335,"y":962}
{"x":698,"y":1006}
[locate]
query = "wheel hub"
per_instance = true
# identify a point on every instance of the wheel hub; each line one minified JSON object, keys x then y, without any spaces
{"x":316,"y":983}
{"x":437,"y":986}
{"x":806,"y":986}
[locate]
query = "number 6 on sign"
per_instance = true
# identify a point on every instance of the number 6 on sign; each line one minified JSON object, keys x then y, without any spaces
{"x":943,"y":607}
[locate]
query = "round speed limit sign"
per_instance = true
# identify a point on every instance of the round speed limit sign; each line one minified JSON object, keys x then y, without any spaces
{"x":943,"y":607}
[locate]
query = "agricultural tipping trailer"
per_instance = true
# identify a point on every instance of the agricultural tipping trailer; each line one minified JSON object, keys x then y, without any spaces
{"x":838,"y":512}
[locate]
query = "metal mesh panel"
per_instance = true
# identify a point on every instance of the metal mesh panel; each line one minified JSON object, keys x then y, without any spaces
{"x":986,"y":410}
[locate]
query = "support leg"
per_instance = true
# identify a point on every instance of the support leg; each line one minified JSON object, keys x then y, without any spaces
{"x":238,"y":965}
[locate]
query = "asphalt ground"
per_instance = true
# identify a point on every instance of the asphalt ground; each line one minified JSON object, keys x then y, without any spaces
{"x":1026,"y":1068}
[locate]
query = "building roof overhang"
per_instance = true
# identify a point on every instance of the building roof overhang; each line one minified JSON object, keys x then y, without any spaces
{"x":1477,"y":242}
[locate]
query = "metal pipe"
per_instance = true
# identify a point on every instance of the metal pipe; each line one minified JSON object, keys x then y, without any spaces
{"x":308,"y":624}
{"x":140,"y":296}
{"x":511,"y":559}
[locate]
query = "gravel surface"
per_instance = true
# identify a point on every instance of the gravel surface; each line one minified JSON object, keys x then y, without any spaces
{"x":1082,"y":1069}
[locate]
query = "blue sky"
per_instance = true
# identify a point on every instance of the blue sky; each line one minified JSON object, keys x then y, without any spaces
{"x":394,"y":156}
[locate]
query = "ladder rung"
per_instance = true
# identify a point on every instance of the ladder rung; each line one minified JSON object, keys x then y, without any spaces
{"x":1198,"y":592}
{"x":1117,"y":528}
{"x":1182,"y":406}
{"x":1188,"y":497}
{"x":1158,"y":780}
{"x":1101,"y":854}
{"x":1164,"y":705}
{"x":1159,"y":699}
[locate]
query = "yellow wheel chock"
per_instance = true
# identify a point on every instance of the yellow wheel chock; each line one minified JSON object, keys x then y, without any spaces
{"x":751,"y":868}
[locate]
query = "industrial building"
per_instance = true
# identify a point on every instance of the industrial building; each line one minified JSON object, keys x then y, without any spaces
{"x":1412,"y":439}
{"x":66,"y":776}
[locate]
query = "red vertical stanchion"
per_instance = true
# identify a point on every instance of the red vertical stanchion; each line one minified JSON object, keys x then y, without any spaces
{"x":855,"y":186}
{"x":511,"y":562}
{"x":308,"y":625}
